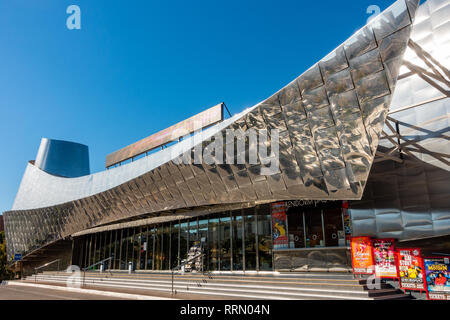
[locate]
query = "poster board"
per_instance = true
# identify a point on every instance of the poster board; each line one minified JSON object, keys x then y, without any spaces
{"x":437,"y":277}
{"x":362,"y":255}
{"x":279,"y":226}
{"x":384,"y":258}
{"x":410,"y":269}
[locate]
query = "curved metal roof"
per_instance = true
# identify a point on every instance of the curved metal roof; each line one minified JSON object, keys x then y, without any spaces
{"x":329,"y":121}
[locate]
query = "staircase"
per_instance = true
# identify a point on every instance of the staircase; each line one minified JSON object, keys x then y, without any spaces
{"x":284,"y":286}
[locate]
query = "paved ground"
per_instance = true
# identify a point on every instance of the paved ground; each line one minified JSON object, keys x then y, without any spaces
{"x":32,"y":293}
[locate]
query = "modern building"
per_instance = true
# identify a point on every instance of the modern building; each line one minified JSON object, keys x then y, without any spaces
{"x":363,"y":149}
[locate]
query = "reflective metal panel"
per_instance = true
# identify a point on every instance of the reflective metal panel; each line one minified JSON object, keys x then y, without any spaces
{"x":329,"y":121}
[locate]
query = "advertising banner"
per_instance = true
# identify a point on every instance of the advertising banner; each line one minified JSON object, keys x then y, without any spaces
{"x":279,"y":229}
{"x":437,"y":277}
{"x":384,"y":258}
{"x":410,"y":269}
{"x":362,"y":256}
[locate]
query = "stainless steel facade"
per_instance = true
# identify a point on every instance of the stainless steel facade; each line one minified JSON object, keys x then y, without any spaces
{"x":411,"y":200}
{"x":330,"y":120}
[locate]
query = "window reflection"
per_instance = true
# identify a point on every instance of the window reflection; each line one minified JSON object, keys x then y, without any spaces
{"x":237,"y":233}
{"x":225,"y":243}
{"x":174,"y":254}
{"x":184,"y":233}
{"x":158,"y":243}
{"x":334,"y":229}
{"x":213,"y":243}
{"x":264,"y":238}
{"x":123,"y":250}
{"x":150,"y":249}
{"x":296,"y":231}
{"x":165,"y":257}
{"x":250,"y":239}
{"x":314,"y":231}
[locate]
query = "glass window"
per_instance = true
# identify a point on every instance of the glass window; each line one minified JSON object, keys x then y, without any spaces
{"x":225,"y":241}
{"x":334,"y":230}
{"x":237,"y":230}
{"x":88,"y":249}
{"x":114,"y":249}
{"x":98,"y":247}
{"x":158,"y":245}
{"x":314,"y":232}
{"x":123,"y":250}
{"x":129,"y":245}
{"x":264,"y":238}
{"x":213,"y":243}
{"x":192,"y":233}
{"x":107,"y":246}
{"x":150,"y":248}
{"x":250,"y":239}
{"x":296,"y":232}
{"x":136,"y":247}
{"x":184,"y":234}
{"x":174,"y":254}
{"x":166,"y":247}
{"x":203,"y":233}
{"x":143,"y":248}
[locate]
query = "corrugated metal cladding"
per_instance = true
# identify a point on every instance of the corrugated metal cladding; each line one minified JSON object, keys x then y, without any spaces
{"x":329,"y":121}
{"x":412,"y":200}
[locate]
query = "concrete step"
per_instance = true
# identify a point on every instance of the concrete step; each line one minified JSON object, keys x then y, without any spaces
{"x":239,"y":286}
{"x":293,"y":284}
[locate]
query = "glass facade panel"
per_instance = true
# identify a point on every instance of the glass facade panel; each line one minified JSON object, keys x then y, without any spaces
{"x":296,"y":231}
{"x":130,"y":245}
{"x":213,"y":243}
{"x":165,"y":257}
{"x":237,"y":243}
{"x":264,"y":239}
{"x":157,"y":246}
{"x":114,"y":246}
{"x":193,"y":233}
{"x":203,"y":234}
{"x":225,"y":242}
{"x":97,"y":254}
{"x":136,"y":247}
{"x":184,"y":234}
{"x":238,"y":240}
{"x":123,"y":250}
{"x":174,"y":253}
{"x":143,"y":248}
{"x":88,"y":250}
{"x":250,"y":238}
{"x":150,"y":248}
{"x":334,"y":229}
{"x":314,"y":231}
{"x":106,"y":251}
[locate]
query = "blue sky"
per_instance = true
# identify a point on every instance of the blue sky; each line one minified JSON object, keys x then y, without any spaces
{"x":136,"y":67}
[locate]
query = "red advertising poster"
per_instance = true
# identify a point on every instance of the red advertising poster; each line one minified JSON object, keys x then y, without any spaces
{"x":384,"y":258}
{"x":411,"y":269}
{"x":362,"y":256}
{"x":279,"y":232}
